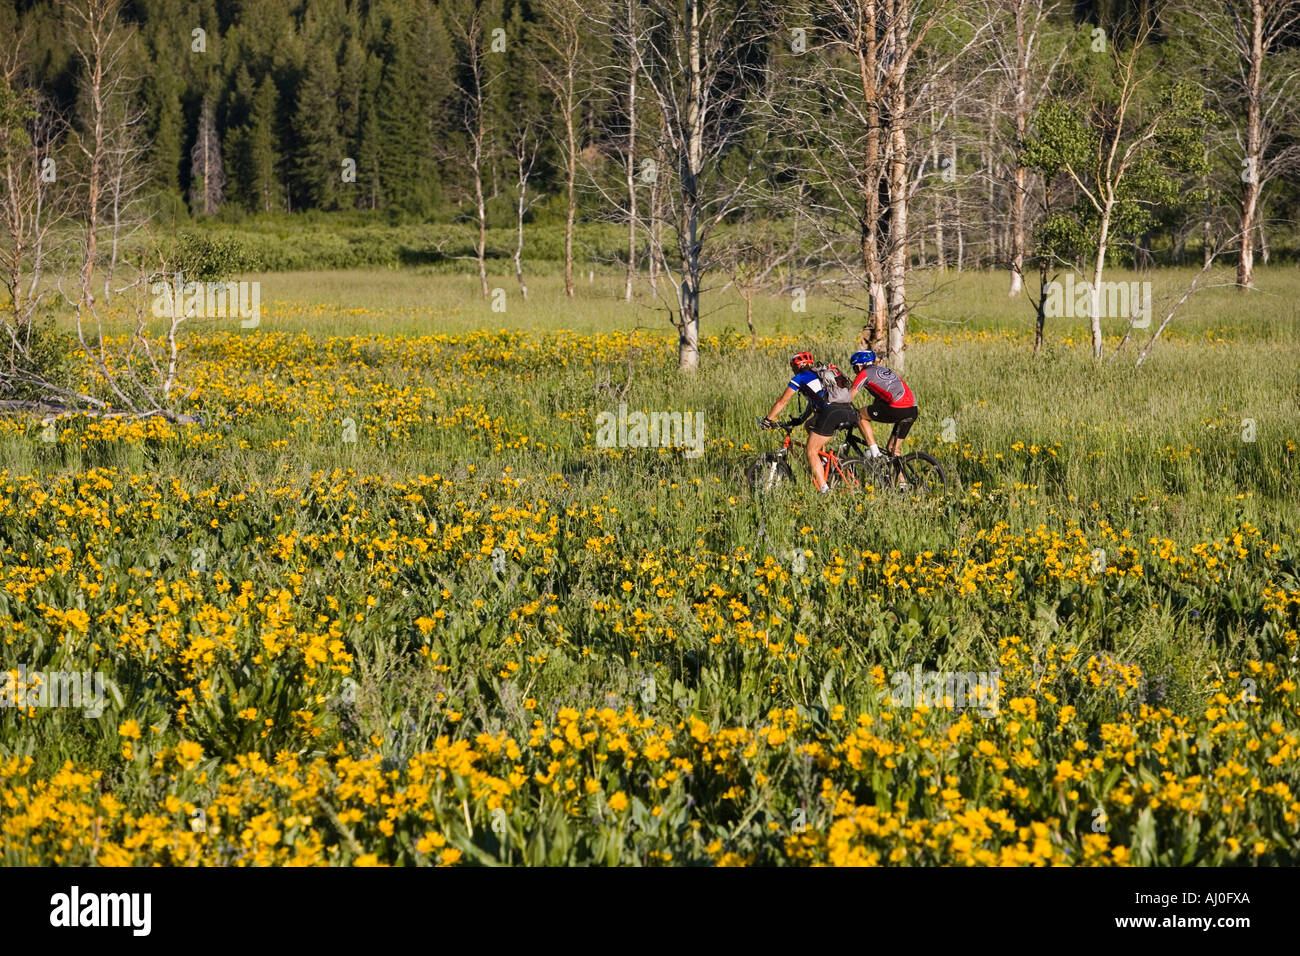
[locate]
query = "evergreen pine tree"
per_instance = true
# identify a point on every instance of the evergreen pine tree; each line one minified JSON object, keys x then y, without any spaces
{"x":265,"y":191}
{"x":168,"y":122}
{"x":320,"y":150}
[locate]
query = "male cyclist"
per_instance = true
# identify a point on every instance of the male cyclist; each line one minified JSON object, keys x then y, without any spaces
{"x":892,"y":401}
{"x":828,"y":413}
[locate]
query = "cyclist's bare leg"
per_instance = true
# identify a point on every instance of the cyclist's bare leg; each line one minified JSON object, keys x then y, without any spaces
{"x":895,"y":442}
{"x":815,"y":444}
{"x":864,"y":426}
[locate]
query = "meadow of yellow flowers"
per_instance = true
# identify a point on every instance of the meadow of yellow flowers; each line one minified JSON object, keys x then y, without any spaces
{"x":389,"y":604}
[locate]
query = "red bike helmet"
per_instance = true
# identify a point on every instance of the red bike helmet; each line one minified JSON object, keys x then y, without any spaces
{"x":802,"y":360}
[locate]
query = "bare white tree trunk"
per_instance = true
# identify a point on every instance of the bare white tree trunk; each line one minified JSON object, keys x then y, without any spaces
{"x":561,"y":21}
{"x":630,"y":162}
{"x":480,"y":247}
{"x":1015,"y":48}
{"x":898,"y":248}
{"x":570,"y":195}
{"x":1255,"y":35}
{"x":688,"y":343}
{"x":696,"y":81}
{"x":525,"y":157}
{"x":655,"y":234}
{"x":467,"y":26}
{"x":127,"y":174}
{"x":868,"y":40}
{"x":519,"y":246}
{"x":1121,"y":147}
{"x":92,"y":37}
{"x":1020,"y":103}
{"x":1254,"y":151}
{"x":207,"y":169}
{"x":1098,"y":266}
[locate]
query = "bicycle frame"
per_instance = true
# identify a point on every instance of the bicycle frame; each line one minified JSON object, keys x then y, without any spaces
{"x":853,"y":441}
{"x":830,"y":460}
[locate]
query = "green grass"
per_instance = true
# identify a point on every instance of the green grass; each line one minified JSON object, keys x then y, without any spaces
{"x":943,"y":303}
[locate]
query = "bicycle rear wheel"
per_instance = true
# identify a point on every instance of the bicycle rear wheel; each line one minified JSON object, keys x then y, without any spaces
{"x":922,"y":476}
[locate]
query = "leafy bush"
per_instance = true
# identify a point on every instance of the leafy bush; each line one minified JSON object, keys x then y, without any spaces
{"x":208,"y":257}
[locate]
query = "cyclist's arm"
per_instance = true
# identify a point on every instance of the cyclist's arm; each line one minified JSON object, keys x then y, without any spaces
{"x":780,"y":404}
{"x":857,"y":384}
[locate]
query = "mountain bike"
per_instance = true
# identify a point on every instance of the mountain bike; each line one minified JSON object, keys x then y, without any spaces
{"x":851,"y":468}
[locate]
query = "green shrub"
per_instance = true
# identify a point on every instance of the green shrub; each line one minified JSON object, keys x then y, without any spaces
{"x":209,"y":257}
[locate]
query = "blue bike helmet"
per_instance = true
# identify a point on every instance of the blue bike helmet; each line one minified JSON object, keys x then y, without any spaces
{"x":863,"y":358}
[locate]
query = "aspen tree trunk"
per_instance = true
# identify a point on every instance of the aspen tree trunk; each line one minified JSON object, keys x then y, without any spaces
{"x":1098,"y":266}
{"x":477,"y":133}
{"x":688,"y":338}
{"x":991,"y":201}
{"x":571,"y":178}
{"x":1020,"y":104}
{"x":1207,"y":236}
{"x":480,"y":248}
{"x":520,"y":208}
{"x":1254,"y":150}
{"x":656,"y":236}
{"x":898,"y":247}
{"x":96,"y":153}
{"x":873,"y":336}
{"x":631,"y":149}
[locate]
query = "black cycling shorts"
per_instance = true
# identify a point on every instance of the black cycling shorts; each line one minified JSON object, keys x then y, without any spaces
{"x":833,"y":417}
{"x":900,"y":418}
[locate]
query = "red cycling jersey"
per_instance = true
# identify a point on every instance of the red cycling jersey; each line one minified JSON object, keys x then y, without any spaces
{"x":885,"y":386}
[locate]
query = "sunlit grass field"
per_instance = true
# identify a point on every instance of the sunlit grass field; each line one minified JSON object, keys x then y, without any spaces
{"x":419,"y":300}
{"x":390,"y":603}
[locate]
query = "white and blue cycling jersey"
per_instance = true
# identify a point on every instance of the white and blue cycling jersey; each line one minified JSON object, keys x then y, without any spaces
{"x":809,"y":385}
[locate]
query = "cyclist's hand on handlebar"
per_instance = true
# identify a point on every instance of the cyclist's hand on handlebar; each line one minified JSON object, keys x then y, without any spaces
{"x":766,"y":424}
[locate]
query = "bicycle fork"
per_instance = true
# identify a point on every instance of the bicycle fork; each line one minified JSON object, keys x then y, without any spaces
{"x":772,"y":463}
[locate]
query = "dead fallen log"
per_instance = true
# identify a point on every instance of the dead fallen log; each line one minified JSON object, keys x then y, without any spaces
{"x":57,"y":410}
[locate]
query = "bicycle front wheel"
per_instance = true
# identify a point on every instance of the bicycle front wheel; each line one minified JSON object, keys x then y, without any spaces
{"x":767,"y":473}
{"x":853,"y":474}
